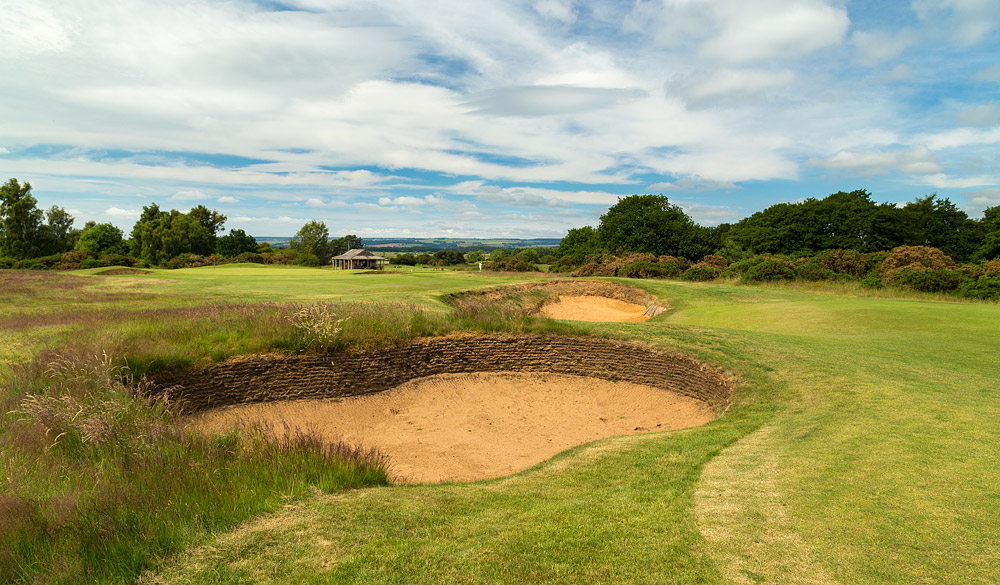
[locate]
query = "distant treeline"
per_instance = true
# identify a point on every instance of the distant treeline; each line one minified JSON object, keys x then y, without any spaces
{"x":30,"y":238}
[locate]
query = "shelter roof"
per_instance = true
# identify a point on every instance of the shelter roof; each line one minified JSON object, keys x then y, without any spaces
{"x":358,"y":254}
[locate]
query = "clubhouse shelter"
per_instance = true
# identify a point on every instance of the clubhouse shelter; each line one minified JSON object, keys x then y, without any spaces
{"x":358,"y":258}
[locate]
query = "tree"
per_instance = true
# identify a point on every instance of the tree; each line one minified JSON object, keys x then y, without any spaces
{"x":57,"y":235}
{"x":940,"y":224}
{"x":448,"y":257}
{"x":101,"y":238}
{"x":649,"y":224}
{"x":313,"y":238}
{"x":236,"y":243}
{"x":991,"y":219}
{"x":204,"y":229}
{"x":20,"y":221}
{"x":159,"y":236}
{"x":577,"y":245}
{"x":342,"y":245}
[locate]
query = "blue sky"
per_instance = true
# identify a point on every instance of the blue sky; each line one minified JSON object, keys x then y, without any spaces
{"x":401,"y":118}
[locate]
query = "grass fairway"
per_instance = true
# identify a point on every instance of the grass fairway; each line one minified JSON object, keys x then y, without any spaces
{"x":863,"y":448}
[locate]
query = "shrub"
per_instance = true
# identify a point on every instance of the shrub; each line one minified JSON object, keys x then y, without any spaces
{"x":117,"y":260}
{"x":813,"y":272}
{"x":252,"y":257}
{"x":984,"y":287}
{"x":852,"y":262}
{"x":306,"y":259}
{"x":719,"y":262}
{"x":873,"y":280}
{"x":71,"y":260}
{"x":770,"y":269}
{"x":511,"y":264}
{"x":591,"y":269}
{"x":7,"y":262}
{"x":674,"y":265}
{"x":922,"y":256}
{"x":278,"y":257}
{"x":916,"y":277}
{"x":188,"y":261}
{"x":701,"y":272}
{"x":991,"y":268}
{"x":46,"y":261}
{"x":90,"y":263}
{"x":646,"y":269}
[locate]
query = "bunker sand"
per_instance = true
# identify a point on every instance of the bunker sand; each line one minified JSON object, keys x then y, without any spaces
{"x":465,"y":427}
{"x":594,"y":308}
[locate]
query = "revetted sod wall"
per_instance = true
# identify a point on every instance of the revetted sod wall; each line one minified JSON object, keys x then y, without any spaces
{"x":271,"y":378}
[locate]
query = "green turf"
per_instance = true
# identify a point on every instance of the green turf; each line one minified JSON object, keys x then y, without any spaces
{"x":862,"y":448}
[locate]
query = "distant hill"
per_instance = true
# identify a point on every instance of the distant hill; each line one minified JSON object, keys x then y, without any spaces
{"x":435,"y":244}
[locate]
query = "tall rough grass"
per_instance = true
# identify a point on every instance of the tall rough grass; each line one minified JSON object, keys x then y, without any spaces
{"x":99,"y":479}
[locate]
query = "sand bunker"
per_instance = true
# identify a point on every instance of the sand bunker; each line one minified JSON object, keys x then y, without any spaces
{"x":463,"y":427}
{"x":591,"y":308}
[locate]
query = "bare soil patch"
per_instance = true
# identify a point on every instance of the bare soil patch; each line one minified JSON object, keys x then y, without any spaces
{"x":464,"y":427}
{"x":591,"y":308}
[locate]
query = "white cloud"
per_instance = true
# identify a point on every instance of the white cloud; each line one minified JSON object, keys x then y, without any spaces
{"x":901,"y":72}
{"x":878,"y":46}
{"x":969,"y":21}
{"x":227,"y":199}
{"x":531,"y":196}
{"x":31,"y":29}
{"x":694,"y":185}
{"x":708,"y":214}
{"x":548,"y":100}
{"x":943,"y":181}
{"x":317,"y":202}
{"x":726,"y":87}
{"x":960,"y":137}
{"x":919,"y":160}
{"x":985,"y":197}
{"x":189,"y":195}
{"x":991,"y":73}
{"x":408,"y":201}
{"x":982,"y":115}
{"x":561,"y":10}
{"x":755,"y":31}
{"x":119,"y":212}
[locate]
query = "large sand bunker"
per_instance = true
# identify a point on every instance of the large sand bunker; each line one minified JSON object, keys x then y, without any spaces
{"x":591,"y":308}
{"x":542,"y":393}
{"x":463,"y":427}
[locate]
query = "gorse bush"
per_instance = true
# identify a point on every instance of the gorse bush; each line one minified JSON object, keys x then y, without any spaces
{"x":769,"y":270}
{"x":918,"y":278}
{"x":812,"y":271}
{"x":700,"y":272}
{"x":851,"y":262}
{"x":921,"y":256}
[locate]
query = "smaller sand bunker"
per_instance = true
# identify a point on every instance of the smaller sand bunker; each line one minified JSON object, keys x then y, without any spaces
{"x":593,"y":308}
{"x":464,"y":427}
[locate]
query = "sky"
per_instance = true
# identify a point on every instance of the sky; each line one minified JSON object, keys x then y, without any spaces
{"x":493,"y":118}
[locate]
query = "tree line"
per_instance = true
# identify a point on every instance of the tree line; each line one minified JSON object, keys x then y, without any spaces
{"x":650,"y":224}
{"x":32,"y":238}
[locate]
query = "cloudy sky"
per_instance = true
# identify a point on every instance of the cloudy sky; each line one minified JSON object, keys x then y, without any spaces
{"x":483,"y":118}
